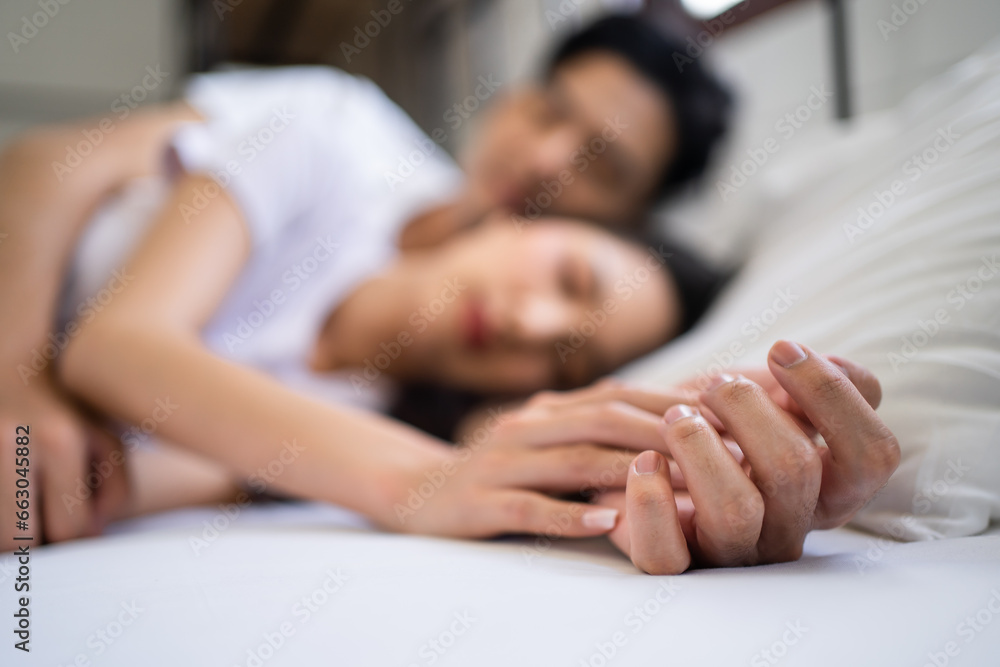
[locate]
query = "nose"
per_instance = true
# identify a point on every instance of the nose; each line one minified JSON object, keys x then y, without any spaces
{"x":541,"y":319}
{"x":553,"y":150}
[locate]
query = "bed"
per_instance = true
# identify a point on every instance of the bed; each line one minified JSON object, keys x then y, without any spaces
{"x":305,"y":584}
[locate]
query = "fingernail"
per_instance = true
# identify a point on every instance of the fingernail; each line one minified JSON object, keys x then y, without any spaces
{"x":787,"y":353}
{"x":647,"y":463}
{"x":602,"y":518}
{"x":719,"y":380}
{"x":679,"y":411}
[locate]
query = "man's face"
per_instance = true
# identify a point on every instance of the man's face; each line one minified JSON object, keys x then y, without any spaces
{"x":593,"y":142}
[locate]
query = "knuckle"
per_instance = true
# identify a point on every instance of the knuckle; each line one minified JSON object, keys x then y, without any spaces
{"x":829,"y":387}
{"x":607,"y":416}
{"x":689,"y":431}
{"x":803,"y":462}
{"x":515,"y":423}
{"x":883,"y":455}
{"x":743,"y":517}
{"x":646,"y":501}
{"x":542,"y":399}
{"x":741,"y":391}
{"x":518,"y":511}
{"x":611,"y":385}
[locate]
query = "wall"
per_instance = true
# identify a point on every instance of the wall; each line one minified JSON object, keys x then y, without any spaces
{"x":83,"y":57}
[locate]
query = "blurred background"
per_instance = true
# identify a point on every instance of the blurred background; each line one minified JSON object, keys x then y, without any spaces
{"x":69,"y":58}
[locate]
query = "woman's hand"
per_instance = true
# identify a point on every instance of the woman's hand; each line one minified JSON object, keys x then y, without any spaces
{"x":726,"y":517}
{"x":503,"y":477}
{"x":493,"y":490}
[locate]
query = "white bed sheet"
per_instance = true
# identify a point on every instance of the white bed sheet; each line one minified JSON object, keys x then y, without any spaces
{"x":854,"y":599}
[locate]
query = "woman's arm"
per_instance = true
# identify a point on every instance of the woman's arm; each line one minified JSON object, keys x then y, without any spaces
{"x":144,"y":349}
{"x":142,"y":357}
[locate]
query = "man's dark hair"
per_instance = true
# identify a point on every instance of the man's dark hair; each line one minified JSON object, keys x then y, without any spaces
{"x":701,"y":103}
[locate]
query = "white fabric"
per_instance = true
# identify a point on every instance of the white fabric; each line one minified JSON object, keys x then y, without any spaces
{"x":305,"y":152}
{"x":205,"y":587}
{"x":886,"y":293}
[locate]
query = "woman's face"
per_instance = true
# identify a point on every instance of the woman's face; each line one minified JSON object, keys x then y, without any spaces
{"x":593,"y":143}
{"x":551,"y":304}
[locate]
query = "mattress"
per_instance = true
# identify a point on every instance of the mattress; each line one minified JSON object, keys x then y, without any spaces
{"x":307,"y":584}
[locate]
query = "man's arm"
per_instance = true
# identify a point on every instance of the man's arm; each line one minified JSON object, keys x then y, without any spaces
{"x":44,"y":204}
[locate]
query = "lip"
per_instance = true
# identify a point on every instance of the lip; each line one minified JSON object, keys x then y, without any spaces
{"x":509,"y":192}
{"x":475,"y":328}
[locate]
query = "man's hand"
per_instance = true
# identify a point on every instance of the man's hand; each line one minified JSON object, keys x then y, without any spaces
{"x":65,"y":454}
{"x":727,"y":517}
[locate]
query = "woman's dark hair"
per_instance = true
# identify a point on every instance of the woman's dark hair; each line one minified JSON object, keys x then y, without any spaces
{"x":701,"y":103}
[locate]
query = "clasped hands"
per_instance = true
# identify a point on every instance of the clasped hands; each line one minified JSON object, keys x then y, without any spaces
{"x":724,"y":475}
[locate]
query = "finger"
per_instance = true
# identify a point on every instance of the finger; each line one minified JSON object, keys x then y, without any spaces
{"x":656,"y":542}
{"x":862,"y":378}
{"x":784,"y":463}
{"x":12,"y":492}
{"x":653,"y":400}
{"x":513,"y":511}
{"x":66,"y":499}
{"x":862,"y":452}
{"x":614,"y":423}
{"x":565,"y":469}
{"x":729,"y":508}
{"x":619,"y":535}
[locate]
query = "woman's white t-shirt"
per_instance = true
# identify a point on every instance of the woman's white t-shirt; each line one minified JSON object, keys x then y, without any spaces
{"x":326,"y":170}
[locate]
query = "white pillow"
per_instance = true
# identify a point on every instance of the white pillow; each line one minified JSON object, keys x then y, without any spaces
{"x":910,"y":288}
